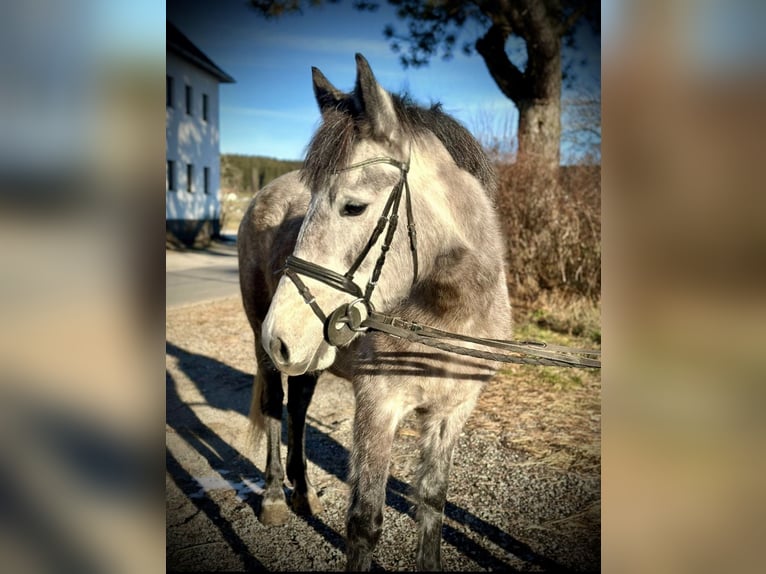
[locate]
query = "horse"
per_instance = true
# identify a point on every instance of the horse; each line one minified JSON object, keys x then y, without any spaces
{"x":307,"y":242}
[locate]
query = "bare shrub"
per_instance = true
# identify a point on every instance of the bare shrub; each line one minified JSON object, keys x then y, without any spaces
{"x":552,"y":221}
{"x":495,"y":130}
{"x":581,"y":128}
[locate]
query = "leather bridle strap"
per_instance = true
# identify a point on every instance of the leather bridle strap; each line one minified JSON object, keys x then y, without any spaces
{"x":306,"y":294}
{"x":411,"y":231}
{"x":383,"y":221}
{"x":295,"y":265}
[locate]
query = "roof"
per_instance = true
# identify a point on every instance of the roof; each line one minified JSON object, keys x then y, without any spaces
{"x":179,"y":44}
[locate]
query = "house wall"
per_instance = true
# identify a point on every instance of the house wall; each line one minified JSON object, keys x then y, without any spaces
{"x":192,"y":216}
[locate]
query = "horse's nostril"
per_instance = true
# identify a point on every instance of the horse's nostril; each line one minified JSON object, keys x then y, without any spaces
{"x":279,"y":351}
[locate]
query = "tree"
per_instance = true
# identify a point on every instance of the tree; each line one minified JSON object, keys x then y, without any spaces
{"x":544,"y":26}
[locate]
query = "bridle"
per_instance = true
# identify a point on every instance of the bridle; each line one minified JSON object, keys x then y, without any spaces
{"x":345,"y":321}
{"x":359,"y":315}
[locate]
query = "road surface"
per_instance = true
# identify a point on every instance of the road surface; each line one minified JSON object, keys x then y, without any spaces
{"x":193,"y":276}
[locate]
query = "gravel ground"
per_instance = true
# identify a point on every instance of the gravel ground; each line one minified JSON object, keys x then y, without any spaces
{"x":524,"y":491}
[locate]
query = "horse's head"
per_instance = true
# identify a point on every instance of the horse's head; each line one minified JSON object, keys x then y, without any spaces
{"x":355,"y":167}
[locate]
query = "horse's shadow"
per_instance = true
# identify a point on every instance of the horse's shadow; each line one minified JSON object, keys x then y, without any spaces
{"x":209,"y":376}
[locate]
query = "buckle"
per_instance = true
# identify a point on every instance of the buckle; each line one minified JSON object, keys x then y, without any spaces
{"x":345,"y":322}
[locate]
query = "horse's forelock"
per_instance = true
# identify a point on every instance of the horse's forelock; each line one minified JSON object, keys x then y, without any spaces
{"x":329,"y":148}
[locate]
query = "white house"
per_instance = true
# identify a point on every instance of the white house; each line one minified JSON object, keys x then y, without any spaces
{"x":192,"y":135}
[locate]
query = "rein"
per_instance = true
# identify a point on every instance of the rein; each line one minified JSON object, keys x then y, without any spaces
{"x":350,"y":318}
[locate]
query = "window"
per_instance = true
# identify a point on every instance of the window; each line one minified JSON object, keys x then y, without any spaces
{"x":189,"y":177}
{"x":171,"y":175}
{"x":204,"y":107}
{"x":169,"y":91}
{"x":188,"y":99}
{"x":207,"y":179}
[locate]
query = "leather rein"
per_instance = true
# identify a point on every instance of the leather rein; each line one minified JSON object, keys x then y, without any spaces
{"x":359,"y":315}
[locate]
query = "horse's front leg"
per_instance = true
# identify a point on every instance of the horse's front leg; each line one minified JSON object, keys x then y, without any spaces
{"x":273,"y":505}
{"x":374,"y":429}
{"x":300,"y":390}
{"x":437,"y":443}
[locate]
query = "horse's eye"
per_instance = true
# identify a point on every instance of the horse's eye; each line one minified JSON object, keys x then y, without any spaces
{"x":353,"y":209}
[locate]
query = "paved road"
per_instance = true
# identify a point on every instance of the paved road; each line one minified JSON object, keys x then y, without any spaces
{"x":201,"y":275}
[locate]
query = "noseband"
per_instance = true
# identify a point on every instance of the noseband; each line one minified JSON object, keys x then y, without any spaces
{"x":346,"y":320}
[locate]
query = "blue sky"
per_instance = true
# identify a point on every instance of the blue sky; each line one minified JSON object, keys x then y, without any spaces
{"x":271,"y":110}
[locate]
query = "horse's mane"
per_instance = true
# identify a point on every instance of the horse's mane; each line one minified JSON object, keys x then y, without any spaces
{"x":342,"y":126}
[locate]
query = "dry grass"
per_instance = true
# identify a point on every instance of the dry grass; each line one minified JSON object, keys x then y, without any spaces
{"x":562,"y":314}
{"x":551,"y":414}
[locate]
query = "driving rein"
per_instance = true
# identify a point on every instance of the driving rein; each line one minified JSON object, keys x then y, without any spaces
{"x":345,"y":322}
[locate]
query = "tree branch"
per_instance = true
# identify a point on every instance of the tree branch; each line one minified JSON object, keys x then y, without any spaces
{"x":572,"y":18}
{"x":507,"y":76}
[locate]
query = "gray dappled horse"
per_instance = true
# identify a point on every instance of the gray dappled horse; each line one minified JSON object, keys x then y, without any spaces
{"x":306,"y":243}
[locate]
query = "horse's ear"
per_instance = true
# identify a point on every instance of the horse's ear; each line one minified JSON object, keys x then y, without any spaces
{"x":327,"y":95}
{"x":374,"y":101}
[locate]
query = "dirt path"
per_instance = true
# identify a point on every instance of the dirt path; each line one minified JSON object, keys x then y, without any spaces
{"x":524,"y":492}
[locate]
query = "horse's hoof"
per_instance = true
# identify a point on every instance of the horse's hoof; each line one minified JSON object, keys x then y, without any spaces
{"x":306,"y":504}
{"x":273,"y":513}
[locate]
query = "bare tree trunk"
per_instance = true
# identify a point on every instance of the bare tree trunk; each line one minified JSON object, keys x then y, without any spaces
{"x":540,"y":131}
{"x":540,"y":112}
{"x":537,"y":90}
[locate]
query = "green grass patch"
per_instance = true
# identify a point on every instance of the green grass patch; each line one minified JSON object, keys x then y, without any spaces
{"x":576,"y":325}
